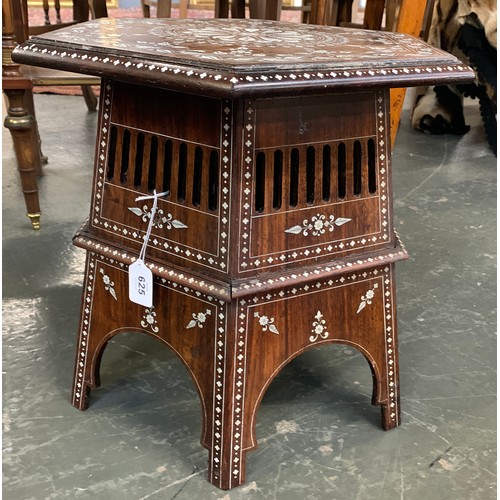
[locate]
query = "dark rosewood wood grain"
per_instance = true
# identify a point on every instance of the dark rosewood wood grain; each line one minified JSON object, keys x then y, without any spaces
{"x":274,"y":232}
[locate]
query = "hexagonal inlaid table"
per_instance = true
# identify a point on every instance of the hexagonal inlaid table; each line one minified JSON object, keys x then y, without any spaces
{"x":271,"y":230}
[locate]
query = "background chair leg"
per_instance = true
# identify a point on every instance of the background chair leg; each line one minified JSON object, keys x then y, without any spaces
{"x":22,"y":126}
{"x":90,"y":97}
{"x":41,"y":159}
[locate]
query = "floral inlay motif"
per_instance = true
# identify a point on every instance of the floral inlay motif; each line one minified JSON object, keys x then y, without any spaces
{"x":108,"y":284}
{"x":318,"y":328}
{"x":199,"y":319}
{"x":266,"y":323}
{"x":149,"y":320}
{"x":245,"y":42}
{"x":160,"y":219}
{"x":367,"y":298}
{"x":318,"y":225}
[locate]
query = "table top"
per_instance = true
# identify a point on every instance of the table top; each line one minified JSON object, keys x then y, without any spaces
{"x":231,"y":56}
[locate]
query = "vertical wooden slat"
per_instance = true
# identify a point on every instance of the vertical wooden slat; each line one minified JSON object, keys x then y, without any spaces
{"x":205,"y":167}
{"x":159,"y":165}
{"x":259,"y":182}
{"x":145,"y":163}
{"x":189,"y":173}
{"x":131,"y":159}
{"x":349,"y":167}
{"x":278,"y":175}
{"x":302,"y":198}
{"x":372,"y":159}
{"x":334,"y":167}
{"x":364,"y":168}
{"x":214,"y":172}
{"x":295,"y":180}
{"x":310,"y":176}
{"x":318,"y":177}
{"x":118,"y":155}
{"x":174,"y":171}
{"x":285,"y":190}
{"x":196,"y":191}
{"x":269,"y":181}
{"x":125,"y":164}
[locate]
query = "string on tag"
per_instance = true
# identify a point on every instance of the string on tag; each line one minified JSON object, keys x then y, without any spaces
{"x":155,"y":197}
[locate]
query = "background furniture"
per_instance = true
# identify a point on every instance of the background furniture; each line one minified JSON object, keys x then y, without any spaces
{"x":18,"y":82}
{"x":274,"y":231}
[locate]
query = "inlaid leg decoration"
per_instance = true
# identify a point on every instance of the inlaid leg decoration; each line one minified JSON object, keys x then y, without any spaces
{"x":226,"y":465}
{"x":356,"y":310}
{"x":196,"y":327}
{"x":227,"y":340}
{"x":107,"y":311}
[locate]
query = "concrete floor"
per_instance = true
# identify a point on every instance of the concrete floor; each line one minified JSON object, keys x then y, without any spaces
{"x":319,"y":436}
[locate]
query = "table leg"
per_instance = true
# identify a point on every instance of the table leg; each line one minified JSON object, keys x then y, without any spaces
{"x":234,"y":350}
{"x":222,"y":9}
{"x":22,"y":127}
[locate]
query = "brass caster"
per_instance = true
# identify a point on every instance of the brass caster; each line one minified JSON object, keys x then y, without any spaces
{"x":35,"y":220}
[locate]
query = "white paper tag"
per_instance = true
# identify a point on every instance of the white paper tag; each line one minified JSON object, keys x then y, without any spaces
{"x":140,"y":284}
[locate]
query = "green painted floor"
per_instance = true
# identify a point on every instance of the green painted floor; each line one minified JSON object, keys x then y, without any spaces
{"x":319,"y":436}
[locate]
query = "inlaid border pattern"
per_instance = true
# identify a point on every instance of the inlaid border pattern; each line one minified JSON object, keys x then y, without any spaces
{"x":238,"y":411}
{"x":247,"y":262}
{"x":161,"y":244}
{"x":236,"y":79}
{"x":282,"y":280}
{"x":400,"y":253}
{"x":391,"y":347}
{"x":218,"y":393}
{"x":81,"y":359}
{"x":102,"y":152}
{"x":178,"y":277}
{"x":315,"y":286}
{"x":383,"y":159}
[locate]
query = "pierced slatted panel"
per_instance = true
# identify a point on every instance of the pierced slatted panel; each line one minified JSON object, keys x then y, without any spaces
{"x":303,"y":176}
{"x":142,"y":161}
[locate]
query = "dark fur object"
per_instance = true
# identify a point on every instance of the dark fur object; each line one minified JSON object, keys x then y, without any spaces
{"x":439,"y":110}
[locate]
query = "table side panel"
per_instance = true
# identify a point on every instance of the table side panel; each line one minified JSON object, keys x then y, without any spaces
{"x":178,"y":144}
{"x":316,"y":172}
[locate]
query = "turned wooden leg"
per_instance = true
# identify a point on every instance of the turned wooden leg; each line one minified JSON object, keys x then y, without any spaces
{"x":164,"y":9}
{"x":238,"y":9}
{"x":57,"y":5}
{"x":89,"y":97}
{"x":22,"y":127}
{"x":222,"y":9}
{"x":146,"y":10}
{"x":40,"y":159}
{"x":45,"y":5}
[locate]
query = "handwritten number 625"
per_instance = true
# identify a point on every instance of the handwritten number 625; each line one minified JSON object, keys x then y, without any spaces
{"x":141,"y":285}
